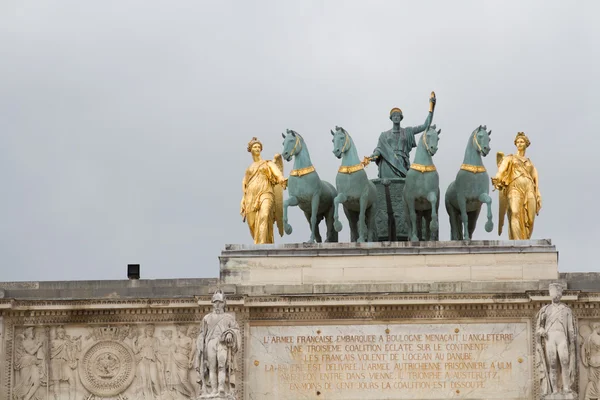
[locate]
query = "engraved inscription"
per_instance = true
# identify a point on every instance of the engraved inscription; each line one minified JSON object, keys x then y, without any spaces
{"x":408,"y":361}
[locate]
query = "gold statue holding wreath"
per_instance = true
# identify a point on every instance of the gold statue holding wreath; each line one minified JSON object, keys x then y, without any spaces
{"x":262,"y":202}
{"x":520,"y":198}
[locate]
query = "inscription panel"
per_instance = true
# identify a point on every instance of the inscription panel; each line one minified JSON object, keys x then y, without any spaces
{"x":395,"y":361}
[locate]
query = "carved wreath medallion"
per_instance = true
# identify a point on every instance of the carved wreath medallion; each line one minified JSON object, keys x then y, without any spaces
{"x":107,"y":368}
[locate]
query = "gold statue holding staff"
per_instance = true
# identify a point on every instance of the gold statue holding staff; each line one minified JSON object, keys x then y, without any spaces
{"x":520,"y":198}
{"x":262,"y":203}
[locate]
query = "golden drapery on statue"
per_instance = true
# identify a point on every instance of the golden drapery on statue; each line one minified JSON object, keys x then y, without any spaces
{"x":262,"y":202}
{"x":520,"y":199}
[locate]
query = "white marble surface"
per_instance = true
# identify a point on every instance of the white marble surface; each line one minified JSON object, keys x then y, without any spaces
{"x":589,"y":358}
{"x":389,"y":361}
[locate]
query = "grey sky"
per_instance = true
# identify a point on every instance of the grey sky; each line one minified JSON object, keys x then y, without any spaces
{"x":123,"y":124}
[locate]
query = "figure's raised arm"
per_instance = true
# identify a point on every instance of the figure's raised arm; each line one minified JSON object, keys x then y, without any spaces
{"x":276,"y":173}
{"x":500,"y":181}
{"x":427,"y":123}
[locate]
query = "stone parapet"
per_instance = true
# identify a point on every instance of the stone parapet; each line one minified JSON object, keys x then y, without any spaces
{"x":385,"y":262}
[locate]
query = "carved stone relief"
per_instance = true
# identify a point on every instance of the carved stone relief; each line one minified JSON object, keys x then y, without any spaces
{"x":124,"y":362}
{"x":589,"y":378}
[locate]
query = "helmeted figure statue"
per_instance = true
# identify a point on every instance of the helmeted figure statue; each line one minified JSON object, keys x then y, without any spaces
{"x":217,"y":344}
{"x":556,"y":334}
{"x":393,"y":148}
{"x":262,"y":201}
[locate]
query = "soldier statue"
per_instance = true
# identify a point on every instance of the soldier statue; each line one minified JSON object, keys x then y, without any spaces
{"x":556,"y":347}
{"x":217,"y":344}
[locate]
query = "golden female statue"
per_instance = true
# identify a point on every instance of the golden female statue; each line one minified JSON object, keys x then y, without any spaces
{"x":517,"y":180}
{"x":262,"y":203}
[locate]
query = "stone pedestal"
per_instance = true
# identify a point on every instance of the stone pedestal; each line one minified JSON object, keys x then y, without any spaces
{"x":396,"y":186}
{"x":560,"y":396}
{"x":226,"y":396}
{"x":391,"y":263}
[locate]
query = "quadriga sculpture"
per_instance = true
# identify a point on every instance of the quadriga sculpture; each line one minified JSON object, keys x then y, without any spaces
{"x":307,"y":190}
{"x":355,"y":191}
{"x":422,"y":189}
{"x":470,"y":188}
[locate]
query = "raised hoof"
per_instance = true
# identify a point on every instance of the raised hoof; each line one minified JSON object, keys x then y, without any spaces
{"x":337,"y":225}
{"x":288,"y":229}
{"x":489,"y":226}
{"x":434,"y":226}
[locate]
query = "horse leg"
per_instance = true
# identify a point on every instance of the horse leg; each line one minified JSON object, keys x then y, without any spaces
{"x":291,"y":201}
{"x":362,"y":217}
{"x":426,"y":225}
{"x":433,"y":219}
{"x":340,"y":198}
{"x":412,"y":216}
{"x":332,"y":235}
{"x":353,"y":222}
{"x":452,"y":217}
{"x":314,"y":209}
{"x":464,"y":218}
{"x":420,"y":217}
{"x":316,"y":234}
{"x":485,"y":198}
{"x":473,"y":217}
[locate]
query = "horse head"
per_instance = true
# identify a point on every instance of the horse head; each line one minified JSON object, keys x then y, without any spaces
{"x":431,"y":138}
{"x":292,"y":144}
{"x":341,"y":141}
{"x":481,"y":140}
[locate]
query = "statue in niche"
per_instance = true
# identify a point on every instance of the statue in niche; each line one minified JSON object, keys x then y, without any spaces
{"x":31,"y":369}
{"x":590,"y":357}
{"x":392,"y":153}
{"x":556,"y":334}
{"x":262,"y":202}
{"x":150,"y":371}
{"x":217,"y":344}
{"x":64,"y":354}
{"x":181,"y":353}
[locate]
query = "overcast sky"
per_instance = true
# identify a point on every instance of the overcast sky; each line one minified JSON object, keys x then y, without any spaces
{"x":124,"y":124}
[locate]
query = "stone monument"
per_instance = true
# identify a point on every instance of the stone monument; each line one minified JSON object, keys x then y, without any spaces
{"x":217,"y":345}
{"x":556,"y":333}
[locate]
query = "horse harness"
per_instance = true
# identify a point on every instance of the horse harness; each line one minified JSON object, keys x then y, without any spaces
{"x":350,"y":169}
{"x":420,"y":167}
{"x":475,"y":169}
{"x":423,"y":168}
{"x":302,"y":171}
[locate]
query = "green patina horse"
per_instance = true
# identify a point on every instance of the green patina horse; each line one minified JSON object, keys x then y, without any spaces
{"x":355,"y":191}
{"x":422,"y":190}
{"x":307,"y":190}
{"x":470,"y":188}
